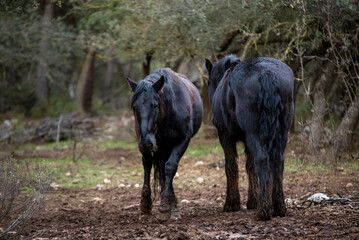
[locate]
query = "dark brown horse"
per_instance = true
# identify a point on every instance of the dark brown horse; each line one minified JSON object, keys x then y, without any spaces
{"x":168,"y":113}
{"x":252,"y":102}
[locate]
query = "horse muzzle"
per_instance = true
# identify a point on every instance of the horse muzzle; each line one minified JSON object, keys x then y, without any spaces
{"x":148,"y":144}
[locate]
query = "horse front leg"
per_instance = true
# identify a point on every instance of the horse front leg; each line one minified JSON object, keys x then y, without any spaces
{"x":168,"y":207}
{"x":146,"y":201}
{"x":233,"y":200}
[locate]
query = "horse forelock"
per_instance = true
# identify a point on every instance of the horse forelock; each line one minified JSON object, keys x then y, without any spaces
{"x":144,"y":86}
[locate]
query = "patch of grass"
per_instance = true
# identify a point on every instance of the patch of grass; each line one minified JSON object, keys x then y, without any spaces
{"x":201,"y":151}
{"x":48,"y":146}
{"x":126,"y":145}
{"x":86,"y":173}
{"x":293,"y":166}
{"x":208,"y":151}
{"x":349,"y":166}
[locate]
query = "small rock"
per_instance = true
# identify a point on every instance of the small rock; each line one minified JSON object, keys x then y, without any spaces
{"x":288,"y":201}
{"x":177,"y":175}
{"x":106,"y":180}
{"x":121,"y":185}
{"x":7,"y":123}
{"x":77,"y":180}
{"x":339,"y":169}
{"x":199,"y":163}
{"x":98,"y":200}
{"x":306,"y":129}
{"x":219,"y":199}
{"x":185,"y":201}
{"x":137,"y":185}
{"x":349,"y":185}
{"x":200,"y":180}
{"x":54,"y":185}
{"x":100,"y":186}
{"x":318,"y":197}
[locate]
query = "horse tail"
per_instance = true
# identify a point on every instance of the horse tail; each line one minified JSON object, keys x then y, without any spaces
{"x":269,"y":109}
{"x":158,"y":178}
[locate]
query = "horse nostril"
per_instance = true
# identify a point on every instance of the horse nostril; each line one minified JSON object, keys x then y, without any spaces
{"x":149,"y":145}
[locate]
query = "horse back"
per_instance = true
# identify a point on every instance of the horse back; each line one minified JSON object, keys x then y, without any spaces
{"x":271,"y":75}
{"x":186,"y":100}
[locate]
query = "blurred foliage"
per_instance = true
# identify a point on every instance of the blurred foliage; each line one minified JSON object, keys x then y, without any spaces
{"x":170,"y":31}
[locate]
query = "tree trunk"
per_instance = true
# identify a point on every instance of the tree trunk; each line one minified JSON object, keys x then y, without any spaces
{"x":108,"y":84}
{"x":146,"y":65}
{"x":84,"y":88}
{"x":342,"y":137}
{"x":42,"y":82}
{"x":207,"y":112}
{"x":317,"y":126}
{"x":319,"y":111}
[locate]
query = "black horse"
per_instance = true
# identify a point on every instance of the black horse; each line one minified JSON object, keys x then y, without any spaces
{"x":252,"y":102}
{"x":168,"y":113}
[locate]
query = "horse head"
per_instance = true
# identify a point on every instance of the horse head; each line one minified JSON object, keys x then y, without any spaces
{"x":217,"y":70}
{"x":146,"y":105}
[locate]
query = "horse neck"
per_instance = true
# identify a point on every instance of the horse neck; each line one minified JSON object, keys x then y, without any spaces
{"x":222,"y":80}
{"x":166,"y":104}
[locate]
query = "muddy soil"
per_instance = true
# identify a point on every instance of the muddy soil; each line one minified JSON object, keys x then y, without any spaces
{"x":112,"y":213}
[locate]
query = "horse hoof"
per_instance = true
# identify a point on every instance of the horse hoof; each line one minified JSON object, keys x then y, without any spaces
{"x":231,"y":207}
{"x":264,"y":215}
{"x":164,"y":216}
{"x":280,"y":212}
{"x":146,"y":208}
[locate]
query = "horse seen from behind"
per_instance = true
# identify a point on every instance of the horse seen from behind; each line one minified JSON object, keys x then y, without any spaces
{"x":252,"y":102}
{"x":168,"y":113}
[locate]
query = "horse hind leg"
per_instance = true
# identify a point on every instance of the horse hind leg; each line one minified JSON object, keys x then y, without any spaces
{"x":262,"y":168}
{"x":277,"y":193}
{"x":252,"y":202}
{"x":233,"y":202}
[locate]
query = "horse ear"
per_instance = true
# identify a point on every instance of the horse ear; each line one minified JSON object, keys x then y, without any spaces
{"x":233,"y":64}
{"x":209,"y":66}
{"x":158,"y":85}
{"x":227,"y":64}
{"x":133,"y":84}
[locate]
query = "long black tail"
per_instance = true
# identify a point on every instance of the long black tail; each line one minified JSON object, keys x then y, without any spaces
{"x":269,"y":108}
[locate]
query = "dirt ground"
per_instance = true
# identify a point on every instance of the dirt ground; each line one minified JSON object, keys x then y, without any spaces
{"x":112,"y":213}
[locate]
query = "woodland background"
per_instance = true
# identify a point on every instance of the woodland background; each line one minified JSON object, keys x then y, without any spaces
{"x":64,"y":56}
